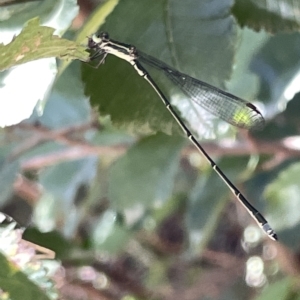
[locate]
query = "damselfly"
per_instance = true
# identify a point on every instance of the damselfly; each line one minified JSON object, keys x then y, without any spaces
{"x":226,"y":106}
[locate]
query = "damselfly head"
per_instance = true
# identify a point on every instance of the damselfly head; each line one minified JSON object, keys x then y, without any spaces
{"x":96,"y":39}
{"x":103,"y":35}
{"x":133,"y":51}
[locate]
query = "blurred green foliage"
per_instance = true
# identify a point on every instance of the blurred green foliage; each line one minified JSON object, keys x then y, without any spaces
{"x":113,"y":187}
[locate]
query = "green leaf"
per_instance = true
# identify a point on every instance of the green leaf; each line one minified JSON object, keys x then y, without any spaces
{"x":17,"y":284}
{"x":283,"y":197}
{"x":52,"y":240}
{"x":204,"y":207}
{"x":208,"y":198}
{"x":287,"y":128}
{"x":272,"y":16}
{"x":145,"y":175}
{"x":108,"y":235}
{"x":63,"y":180}
{"x":14,"y":14}
{"x":62,"y":183}
{"x":68,"y":98}
{"x":8,"y":174}
{"x":277,"y":64}
{"x":127,"y":99}
{"x":197,"y":38}
{"x":279,"y":290}
{"x":35,"y":42}
{"x":244,"y":83}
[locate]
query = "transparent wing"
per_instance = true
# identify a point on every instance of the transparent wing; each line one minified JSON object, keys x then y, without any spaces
{"x":223,"y":105}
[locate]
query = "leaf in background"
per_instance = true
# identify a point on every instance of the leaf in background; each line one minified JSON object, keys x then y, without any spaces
{"x":205,"y":206}
{"x":244,"y":82}
{"x":54,"y":13}
{"x":145,"y":175}
{"x":108,"y":235}
{"x":17,"y":284}
{"x":118,"y":91}
{"x":284,"y":126}
{"x":8,"y":173}
{"x":64,"y":179}
{"x":208,"y":198}
{"x":282,"y":289}
{"x":52,"y":240}
{"x":34,"y":79}
{"x":35,"y":42}
{"x":199,"y":39}
{"x":271,"y":15}
{"x":277,"y":64}
{"x":283,"y":197}
{"x":67,"y":98}
{"x":61,"y":183}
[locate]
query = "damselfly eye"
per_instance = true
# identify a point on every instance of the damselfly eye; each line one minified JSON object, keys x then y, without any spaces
{"x":132,"y":50}
{"x":103,"y":35}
